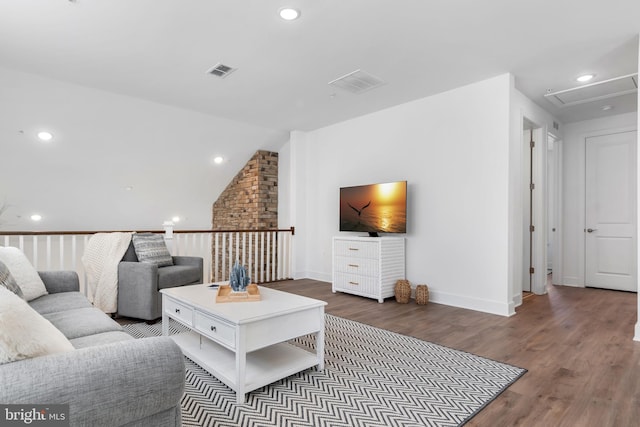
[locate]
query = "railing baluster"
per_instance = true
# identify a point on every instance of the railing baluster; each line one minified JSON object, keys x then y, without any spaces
{"x":256,"y":259}
{"x":61,"y":259}
{"x":274,"y":257}
{"x":244,"y":250}
{"x":230,"y":259}
{"x":217,"y":251}
{"x":34,"y":243}
{"x":207,"y":254}
{"x":73,"y":252}
{"x":48,"y":252}
{"x":237,"y":257}
{"x":260,"y":256}
{"x":224,"y":251}
{"x":266,"y":264}
{"x":250,"y":263}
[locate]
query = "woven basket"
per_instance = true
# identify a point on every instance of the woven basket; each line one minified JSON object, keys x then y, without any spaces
{"x":403,"y":291}
{"x":422,"y":294}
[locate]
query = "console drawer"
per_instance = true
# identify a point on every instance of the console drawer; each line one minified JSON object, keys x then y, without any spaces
{"x":354,"y":283}
{"x":216,"y":330}
{"x":356,"y":249}
{"x":360,"y":266}
{"x":179,"y":311}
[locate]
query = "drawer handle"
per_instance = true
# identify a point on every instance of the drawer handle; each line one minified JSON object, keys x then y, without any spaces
{"x":354,"y":283}
{"x":178,"y":310}
{"x":354,"y":249}
{"x":354,"y":265}
{"x":213,"y":329}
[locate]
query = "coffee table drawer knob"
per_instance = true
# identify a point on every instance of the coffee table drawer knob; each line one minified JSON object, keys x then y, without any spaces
{"x":178,"y":310}
{"x":213,"y":328}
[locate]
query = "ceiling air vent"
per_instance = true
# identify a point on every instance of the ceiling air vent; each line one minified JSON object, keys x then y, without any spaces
{"x":617,"y":86}
{"x":221,"y":70}
{"x":357,"y":82}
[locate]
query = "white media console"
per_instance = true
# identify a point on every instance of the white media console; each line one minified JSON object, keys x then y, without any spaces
{"x":368,"y":266}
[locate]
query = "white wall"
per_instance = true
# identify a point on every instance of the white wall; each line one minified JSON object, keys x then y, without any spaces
{"x":104,"y":142}
{"x":453,"y":149}
{"x":573,"y":216}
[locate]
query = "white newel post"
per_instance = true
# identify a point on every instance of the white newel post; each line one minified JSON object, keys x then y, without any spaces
{"x":168,"y":235}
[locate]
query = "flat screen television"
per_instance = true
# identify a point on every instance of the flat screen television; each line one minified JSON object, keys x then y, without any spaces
{"x":374,"y":208}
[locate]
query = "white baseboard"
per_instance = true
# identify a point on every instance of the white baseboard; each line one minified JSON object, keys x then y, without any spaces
{"x":323,"y":277}
{"x":478,"y":304}
{"x":573,"y":281}
{"x":636,"y":337}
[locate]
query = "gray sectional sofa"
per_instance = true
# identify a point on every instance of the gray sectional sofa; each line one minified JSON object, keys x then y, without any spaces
{"x":110,"y":379}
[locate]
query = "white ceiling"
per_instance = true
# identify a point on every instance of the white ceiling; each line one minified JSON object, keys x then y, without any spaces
{"x":159,"y":50}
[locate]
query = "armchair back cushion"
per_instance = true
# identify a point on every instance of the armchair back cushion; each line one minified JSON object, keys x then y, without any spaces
{"x":152,"y":249}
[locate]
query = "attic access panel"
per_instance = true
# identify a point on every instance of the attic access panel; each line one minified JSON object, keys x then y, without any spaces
{"x":595,"y":91}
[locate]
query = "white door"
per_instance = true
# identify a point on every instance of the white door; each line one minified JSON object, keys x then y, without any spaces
{"x":610,"y":232}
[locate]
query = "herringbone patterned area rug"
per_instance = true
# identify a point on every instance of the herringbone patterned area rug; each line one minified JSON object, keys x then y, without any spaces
{"x":372,"y":377}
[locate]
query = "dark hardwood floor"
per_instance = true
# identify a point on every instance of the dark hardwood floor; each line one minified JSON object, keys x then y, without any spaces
{"x":577,"y":344}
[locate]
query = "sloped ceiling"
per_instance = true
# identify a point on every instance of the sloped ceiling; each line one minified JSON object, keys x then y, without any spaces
{"x":160,"y":50}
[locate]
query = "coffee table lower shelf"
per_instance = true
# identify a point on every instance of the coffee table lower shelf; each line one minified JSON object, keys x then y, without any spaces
{"x":263,"y":366}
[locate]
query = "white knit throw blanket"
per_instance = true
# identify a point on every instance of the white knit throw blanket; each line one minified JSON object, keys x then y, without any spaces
{"x":100,"y":259}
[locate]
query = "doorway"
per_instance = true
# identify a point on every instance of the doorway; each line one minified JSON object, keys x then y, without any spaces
{"x":534,"y":219}
{"x":610,"y":211}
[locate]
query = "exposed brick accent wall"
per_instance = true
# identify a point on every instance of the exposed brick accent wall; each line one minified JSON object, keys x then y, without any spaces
{"x":250,"y":201}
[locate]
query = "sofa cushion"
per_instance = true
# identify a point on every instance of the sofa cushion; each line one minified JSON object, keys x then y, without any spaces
{"x":81,"y":322}
{"x":7,"y":280}
{"x":23,"y":272}
{"x":178,"y":275}
{"x":24,"y":332}
{"x":99,"y":339}
{"x":63,"y":301}
{"x":152,"y":249}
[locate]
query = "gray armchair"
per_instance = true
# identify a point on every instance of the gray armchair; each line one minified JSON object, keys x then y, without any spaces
{"x":139,"y":283}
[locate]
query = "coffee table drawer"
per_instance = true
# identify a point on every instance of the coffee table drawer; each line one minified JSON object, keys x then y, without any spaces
{"x":179,"y":311}
{"x":216,"y":329}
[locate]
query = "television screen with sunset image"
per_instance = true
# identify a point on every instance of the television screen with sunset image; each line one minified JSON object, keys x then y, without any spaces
{"x":374,"y":208}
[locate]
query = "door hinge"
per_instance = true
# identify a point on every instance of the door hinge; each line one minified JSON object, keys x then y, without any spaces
{"x":532,"y":186}
{"x":532,"y":144}
{"x":532,"y":228}
{"x":532,"y":270}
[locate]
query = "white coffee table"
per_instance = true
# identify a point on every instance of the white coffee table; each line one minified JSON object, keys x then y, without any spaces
{"x":243,"y":344}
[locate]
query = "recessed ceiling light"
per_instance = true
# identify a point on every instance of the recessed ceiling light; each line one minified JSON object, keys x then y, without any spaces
{"x":585,"y":78}
{"x":45,"y":136}
{"x":175,"y":219}
{"x":218,"y":160}
{"x":289,"y":14}
{"x":128,"y":188}
{"x":36,"y":217}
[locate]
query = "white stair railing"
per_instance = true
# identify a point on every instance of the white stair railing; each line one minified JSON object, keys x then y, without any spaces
{"x":265,"y":253}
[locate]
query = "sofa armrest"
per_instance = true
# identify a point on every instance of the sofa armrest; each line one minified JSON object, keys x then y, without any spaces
{"x":137,"y":289}
{"x":137,"y":276}
{"x":60,"y":281}
{"x":111,"y":384}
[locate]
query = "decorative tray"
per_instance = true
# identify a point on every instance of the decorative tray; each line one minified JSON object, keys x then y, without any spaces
{"x":225,"y":294}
